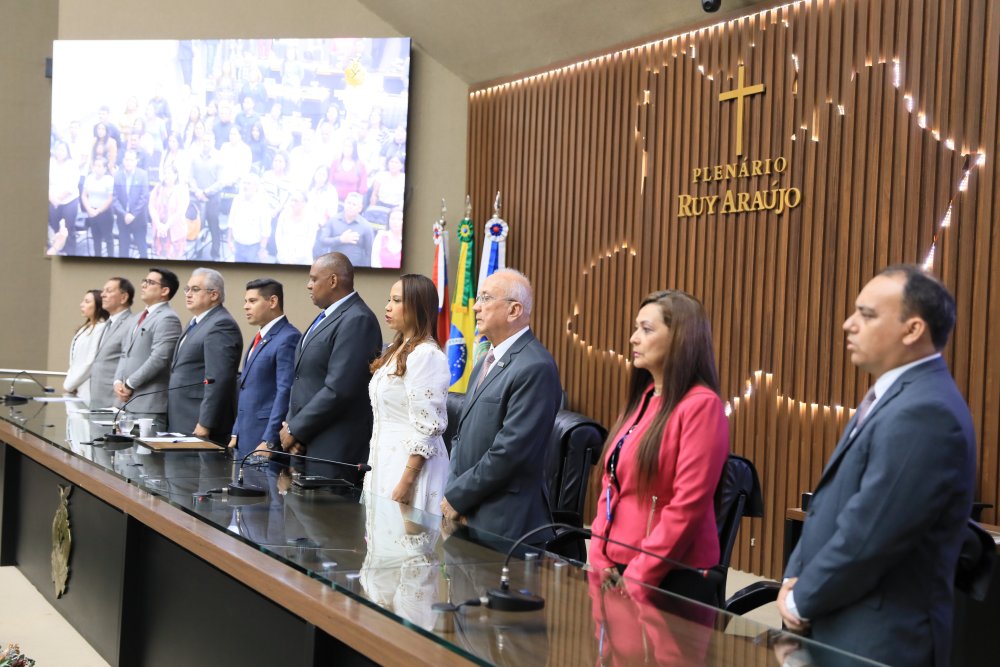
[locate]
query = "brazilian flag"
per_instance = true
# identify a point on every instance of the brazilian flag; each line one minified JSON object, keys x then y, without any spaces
{"x":463,"y":320}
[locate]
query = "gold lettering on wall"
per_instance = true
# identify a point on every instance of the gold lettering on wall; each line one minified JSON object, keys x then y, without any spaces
{"x":774,"y":199}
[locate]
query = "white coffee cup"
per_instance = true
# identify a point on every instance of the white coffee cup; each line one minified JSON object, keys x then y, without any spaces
{"x":145,"y":427}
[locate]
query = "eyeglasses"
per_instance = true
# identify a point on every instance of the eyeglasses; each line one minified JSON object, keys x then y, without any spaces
{"x":146,"y":282}
{"x":484,"y":298}
{"x":195,"y":290}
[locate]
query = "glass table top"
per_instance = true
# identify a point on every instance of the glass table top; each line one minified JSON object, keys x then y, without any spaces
{"x":428,"y":575}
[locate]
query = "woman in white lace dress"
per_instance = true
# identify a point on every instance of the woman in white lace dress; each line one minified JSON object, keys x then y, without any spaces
{"x":408,"y":389}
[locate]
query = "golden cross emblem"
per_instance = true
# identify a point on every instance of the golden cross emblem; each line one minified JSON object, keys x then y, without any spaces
{"x":738,"y":94}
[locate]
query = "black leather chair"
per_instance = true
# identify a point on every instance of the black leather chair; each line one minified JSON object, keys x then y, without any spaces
{"x":738,"y":495}
{"x":574,"y":448}
{"x":453,"y":405}
{"x":976,"y":561}
{"x":973,"y":575}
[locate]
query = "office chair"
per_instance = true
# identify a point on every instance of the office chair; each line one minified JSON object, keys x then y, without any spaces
{"x":574,"y":448}
{"x":738,"y":495}
{"x":973,"y":574}
{"x":453,"y":406}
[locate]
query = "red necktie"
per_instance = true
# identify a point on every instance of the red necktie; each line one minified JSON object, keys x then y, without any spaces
{"x":256,"y":339}
{"x":142,"y":318}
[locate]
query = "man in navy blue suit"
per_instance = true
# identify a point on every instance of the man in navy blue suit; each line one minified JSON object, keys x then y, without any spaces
{"x":874,"y":570}
{"x":131,"y":205}
{"x":268,"y":369}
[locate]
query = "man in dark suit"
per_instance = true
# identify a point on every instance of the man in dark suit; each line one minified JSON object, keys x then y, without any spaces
{"x":874,"y":570}
{"x":116,"y":298}
{"x":131,"y":205}
{"x":148,"y":348}
{"x":268,"y":369}
{"x":497,"y":478}
{"x":329,"y":414}
{"x":210,"y":347}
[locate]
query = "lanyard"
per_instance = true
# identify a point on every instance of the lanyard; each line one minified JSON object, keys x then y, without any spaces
{"x":613,"y":460}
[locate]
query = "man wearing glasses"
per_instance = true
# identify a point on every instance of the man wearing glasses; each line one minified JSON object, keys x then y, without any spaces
{"x":210,"y":347}
{"x":148,"y":348}
{"x":497,"y":478}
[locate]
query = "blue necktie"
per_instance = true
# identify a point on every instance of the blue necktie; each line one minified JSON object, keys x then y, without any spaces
{"x":319,"y":318}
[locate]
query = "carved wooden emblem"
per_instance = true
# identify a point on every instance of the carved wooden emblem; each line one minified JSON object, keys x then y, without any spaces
{"x":62,"y":541}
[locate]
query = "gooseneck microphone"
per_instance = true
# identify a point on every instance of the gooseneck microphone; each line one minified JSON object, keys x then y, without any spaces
{"x":117,"y":437}
{"x":240,"y":488}
{"x":14,"y":399}
{"x":504,"y":599}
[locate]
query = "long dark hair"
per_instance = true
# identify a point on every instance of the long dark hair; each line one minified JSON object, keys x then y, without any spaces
{"x":690,"y":361}
{"x":420,"y":309}
{"x":100,"y":314}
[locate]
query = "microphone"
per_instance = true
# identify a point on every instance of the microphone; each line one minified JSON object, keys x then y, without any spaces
{"x":117,"y":437}
{"x":14,"y":399}
{"x":504,"y":599}
{"x":240,"y":488}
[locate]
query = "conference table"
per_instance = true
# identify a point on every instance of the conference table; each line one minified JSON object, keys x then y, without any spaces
{"x":165,"y":567}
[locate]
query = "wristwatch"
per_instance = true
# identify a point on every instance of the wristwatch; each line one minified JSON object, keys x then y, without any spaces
{"x":273,"y":446}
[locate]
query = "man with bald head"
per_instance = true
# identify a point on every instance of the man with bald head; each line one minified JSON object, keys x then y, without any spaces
{"x":497,"y":478}
{"x":329,"y":414}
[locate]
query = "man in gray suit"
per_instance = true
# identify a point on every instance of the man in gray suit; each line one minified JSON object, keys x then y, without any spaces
{"x":116,"y":297}
{"x":874,"y":570}
{"x":148,"y":348}
{"x":210,"y":347}
{"x":497,"y":478}
{"x":329,"y":414}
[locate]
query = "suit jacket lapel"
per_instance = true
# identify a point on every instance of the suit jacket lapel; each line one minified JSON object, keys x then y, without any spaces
{"x":851,"y":433}
{"x":197,"y":329}
{"x":110,"y":328}
{"x":255,"y":352}
{"x":498,"y":367}
{"x":322,"y":326}
{"x":138,"y":328}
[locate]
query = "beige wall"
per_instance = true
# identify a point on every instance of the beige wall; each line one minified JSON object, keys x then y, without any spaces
{"x":436,"y":165}
{"x":26,"y":31}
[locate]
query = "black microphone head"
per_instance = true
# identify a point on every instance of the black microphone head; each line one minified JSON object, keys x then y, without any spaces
{"x":48,"y":390}
{"x":508,"y":600}
{"x":209,"y":380}
{"x":364,"y":467}
{"x":242,"y":490}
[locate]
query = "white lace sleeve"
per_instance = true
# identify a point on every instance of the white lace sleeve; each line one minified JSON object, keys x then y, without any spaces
{"x":426,"y":381}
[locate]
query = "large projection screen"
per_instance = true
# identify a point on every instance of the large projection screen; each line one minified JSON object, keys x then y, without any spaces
{"x":232,"y":150}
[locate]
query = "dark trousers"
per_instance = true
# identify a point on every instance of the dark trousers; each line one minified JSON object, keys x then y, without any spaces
{"x":102,"y":227}
{"x":210,"y":216}
{"x":67,"y":213}
{"x":133,"y":234}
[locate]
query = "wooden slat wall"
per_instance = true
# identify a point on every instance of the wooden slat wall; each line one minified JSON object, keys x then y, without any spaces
{"x":882,"y":108}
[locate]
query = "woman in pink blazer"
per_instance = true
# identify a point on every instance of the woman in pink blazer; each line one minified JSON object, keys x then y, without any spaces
{"x":665,"y":455}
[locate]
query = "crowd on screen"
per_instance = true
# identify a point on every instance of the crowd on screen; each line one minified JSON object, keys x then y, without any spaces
{"x":249,"y":164}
